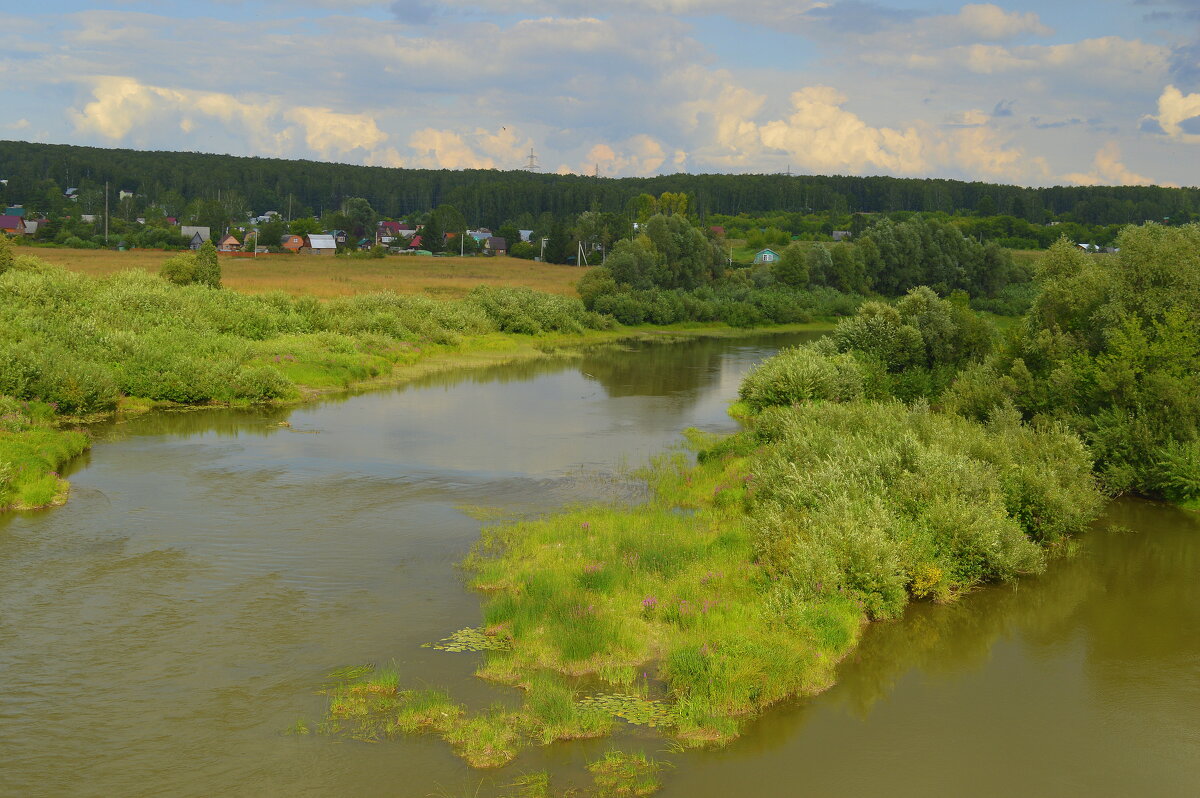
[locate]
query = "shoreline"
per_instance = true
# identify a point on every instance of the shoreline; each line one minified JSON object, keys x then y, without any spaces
{"x":496,"y":349}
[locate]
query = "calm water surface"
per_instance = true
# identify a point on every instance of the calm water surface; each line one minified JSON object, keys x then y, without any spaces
{"x":160,"y":632}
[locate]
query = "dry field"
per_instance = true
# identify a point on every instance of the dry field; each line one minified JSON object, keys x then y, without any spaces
{"x":326,"y":277}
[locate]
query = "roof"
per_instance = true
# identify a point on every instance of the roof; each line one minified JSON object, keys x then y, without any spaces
{"x":415,"y":241}
{"x":191,"y":231}
{"x":11,"y":222}
{"x":14,"y":210}
{"x":496,"y":242}
{"x":317,"y":241}
{"x":393,"y":226}
{"x":230,"y":237}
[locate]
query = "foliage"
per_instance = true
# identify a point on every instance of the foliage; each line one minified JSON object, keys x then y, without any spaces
{"x":194,"y":268}
{"x":1111,"y":347}
{"x":83,"y":343}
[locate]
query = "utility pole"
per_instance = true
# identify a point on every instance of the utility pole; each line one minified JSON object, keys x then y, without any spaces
{"x":106,"y":212}
{"x":542,"y":256}
{"x":462,"y":245}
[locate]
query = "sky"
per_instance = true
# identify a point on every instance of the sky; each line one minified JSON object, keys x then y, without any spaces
{"x":1033,"y":93}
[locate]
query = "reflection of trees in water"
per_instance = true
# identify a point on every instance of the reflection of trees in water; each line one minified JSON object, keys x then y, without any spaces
{"x":1129,"y":594}
{"x":652,"y":368}
{"x":187,"y":423}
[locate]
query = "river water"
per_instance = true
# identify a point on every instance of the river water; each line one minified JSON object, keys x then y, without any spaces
{"x":161,"y":632}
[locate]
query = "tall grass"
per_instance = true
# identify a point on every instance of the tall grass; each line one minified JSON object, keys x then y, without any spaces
{"x":32,"y":451}
{"x":82,"y":343}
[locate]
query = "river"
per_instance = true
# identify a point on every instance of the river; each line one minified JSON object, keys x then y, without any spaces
{"x":161,"y":632}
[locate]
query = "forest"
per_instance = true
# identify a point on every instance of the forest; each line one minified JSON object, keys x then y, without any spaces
{"x":37,"y":175}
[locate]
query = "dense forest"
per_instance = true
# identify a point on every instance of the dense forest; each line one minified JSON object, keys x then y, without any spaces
{"x":38,"y":174}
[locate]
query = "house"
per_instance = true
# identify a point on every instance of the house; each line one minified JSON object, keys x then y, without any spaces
{"x":365,"y":244}
{"x":717,"y":230}
{"x":90,"y":218}
{"x":391,"y":228}
{"x":526,"y":235}
{"x":11,"y":224}
{"x":841,"y":235}
{"x":31,"y":226}
{"x":496,"y":245}
{"x":292,"y":243}
{"x":195,"y":235}
{"x":171,"y":220}
{"x":414,"y":242}
{"x":319,"y":244}
{"x":339,"y":237}
{"x":229,"y":244}
{"x":123,"y":195}
{"x":15,"y":210}
{"x":766,"y":256}
{"x":71,"y":194}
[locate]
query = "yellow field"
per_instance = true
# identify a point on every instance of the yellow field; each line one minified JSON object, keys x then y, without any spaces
{"x":325,"y":277}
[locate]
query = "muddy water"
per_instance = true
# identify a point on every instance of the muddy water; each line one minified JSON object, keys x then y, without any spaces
{"x":161,"y":632}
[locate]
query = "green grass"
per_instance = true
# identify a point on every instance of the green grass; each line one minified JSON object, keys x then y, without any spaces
{"x":619,"y":774}
{"x":32,"y":451}
{"x":367,"y":705}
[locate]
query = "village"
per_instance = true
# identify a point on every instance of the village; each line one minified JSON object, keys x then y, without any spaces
{"x":388,"y":236}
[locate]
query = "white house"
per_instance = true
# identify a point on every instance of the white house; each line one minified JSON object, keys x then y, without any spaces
{"x":766,"y":256}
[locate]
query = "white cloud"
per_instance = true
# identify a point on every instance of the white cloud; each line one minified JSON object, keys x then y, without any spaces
{"x":330,"y":133}
{"x":821,"y":135}
{"x":637,"y":155}
{"x":1108,"y":170}
{"x":1175,"y":108}
{"x":447,"y":149}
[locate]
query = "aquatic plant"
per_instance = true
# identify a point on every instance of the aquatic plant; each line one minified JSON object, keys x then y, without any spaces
{"x":621,"y":774}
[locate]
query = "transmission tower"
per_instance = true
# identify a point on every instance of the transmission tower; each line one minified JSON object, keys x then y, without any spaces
{"x":531,"y":164}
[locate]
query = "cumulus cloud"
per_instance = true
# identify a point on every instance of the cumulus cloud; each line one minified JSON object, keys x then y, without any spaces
{"x":1174,"y":110}
{"x":637,"y":155}
{"x":1107,"y":169}
{"x":822,"y":135}
{"x":481,"y":149}
{"x":121,"y":105}
{"x":330,"y":133}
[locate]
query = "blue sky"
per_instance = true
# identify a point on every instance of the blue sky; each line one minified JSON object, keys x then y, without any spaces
{"x":1032,"y":93}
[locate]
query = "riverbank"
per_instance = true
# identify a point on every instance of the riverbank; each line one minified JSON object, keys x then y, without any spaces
{"x":749,"y":575}
{"x":132,"y":343}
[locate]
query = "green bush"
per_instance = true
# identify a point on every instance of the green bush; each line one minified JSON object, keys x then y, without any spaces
{"x":802,"y":374}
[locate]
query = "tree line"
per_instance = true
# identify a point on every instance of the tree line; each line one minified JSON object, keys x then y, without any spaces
{"x":38,"y":174}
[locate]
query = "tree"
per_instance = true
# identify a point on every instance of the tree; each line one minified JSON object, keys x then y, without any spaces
{"x":792,"y":266}
{"x":433,"y":235}
{"x":558,"y":245}
{"x":362,"y":217}
{"x":304,"y":227}
{"x":208,"y":267}
{"x":820,"y":265}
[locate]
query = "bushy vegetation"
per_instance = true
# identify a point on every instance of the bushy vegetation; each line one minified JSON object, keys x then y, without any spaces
{"x":672,"y":272}
{"x":194,"y":268}
{"x":83,"y":343}
{"x":1111,"y":347}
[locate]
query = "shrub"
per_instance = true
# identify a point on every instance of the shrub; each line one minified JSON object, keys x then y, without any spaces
{"x":802,"y":374}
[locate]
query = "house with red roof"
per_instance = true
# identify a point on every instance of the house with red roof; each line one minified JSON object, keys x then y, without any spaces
{"x":13,"y":225}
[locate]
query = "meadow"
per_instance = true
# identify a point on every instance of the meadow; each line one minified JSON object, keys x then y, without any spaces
{"x":329,"y":277}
